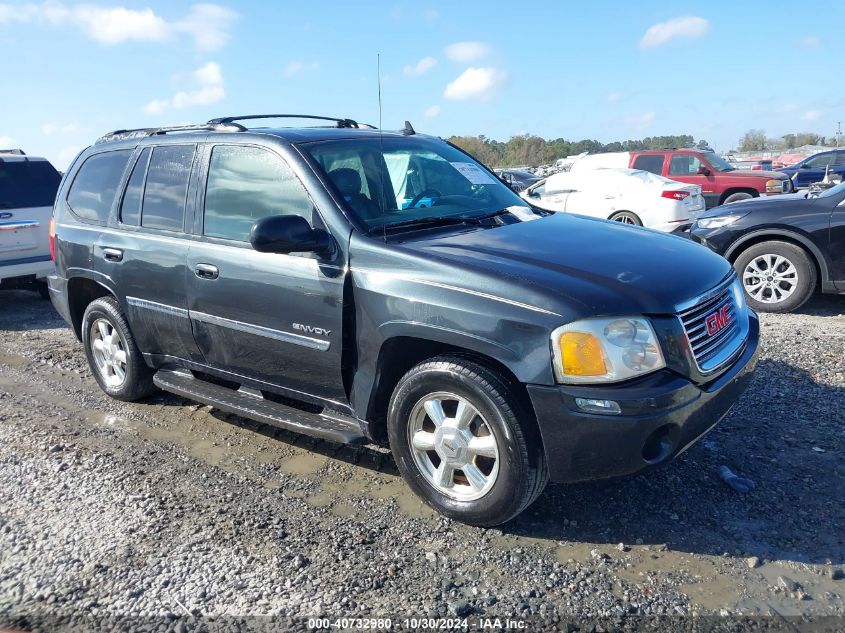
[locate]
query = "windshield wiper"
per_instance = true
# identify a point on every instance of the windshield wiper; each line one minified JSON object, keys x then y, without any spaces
{"x":436,"y":220}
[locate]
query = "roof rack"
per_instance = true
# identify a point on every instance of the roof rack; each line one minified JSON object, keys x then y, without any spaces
{"x":119,"y":135}
{"x":231,"y":119}
{"x":16,"y":152}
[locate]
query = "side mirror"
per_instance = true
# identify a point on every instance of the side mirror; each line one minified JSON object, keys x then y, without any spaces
{"x":703,"y":171}
{"x":288,"y":234}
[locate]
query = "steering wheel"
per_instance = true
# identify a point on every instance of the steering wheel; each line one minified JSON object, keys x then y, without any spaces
{"x":423,"y":194}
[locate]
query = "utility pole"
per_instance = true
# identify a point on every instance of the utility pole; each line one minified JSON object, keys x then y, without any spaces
{"x":838,"y":132}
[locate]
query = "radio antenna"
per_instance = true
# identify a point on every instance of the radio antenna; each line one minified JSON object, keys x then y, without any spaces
{"x":382,"y":162}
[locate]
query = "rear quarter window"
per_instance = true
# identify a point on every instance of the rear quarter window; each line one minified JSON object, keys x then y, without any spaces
{"x":27,"y":183}
{"x":649,"y":162}
{"x":95,"y":185}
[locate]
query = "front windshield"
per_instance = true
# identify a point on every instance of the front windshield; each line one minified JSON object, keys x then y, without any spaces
{"x":833,"y":191}
{"x":392,"y":180}
{"x":717,"y":162}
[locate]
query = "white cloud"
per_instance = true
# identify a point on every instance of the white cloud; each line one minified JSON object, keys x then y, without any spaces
{"x":790,"y":107}
{"x":207,"y":24}
{"x":432,"y":111}
{"x":205,"y":87}
{"x":475,"y":84}
{"x":421,"y":67}
{"x":7,"y":142}
{"x":642,"y":121}
{"x":52,"y":129}
{"x":811,"y":41}
{"x":812,"y":115}
{"x":295,"y":67}
{"x":467,"y":51}
{"x":685,"y":27}
{"x":613,"y":97}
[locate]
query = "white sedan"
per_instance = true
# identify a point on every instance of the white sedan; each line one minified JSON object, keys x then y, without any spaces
{"x":632,"y":196}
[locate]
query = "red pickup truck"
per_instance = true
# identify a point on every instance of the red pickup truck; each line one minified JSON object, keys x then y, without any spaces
{"x":720,"y":182}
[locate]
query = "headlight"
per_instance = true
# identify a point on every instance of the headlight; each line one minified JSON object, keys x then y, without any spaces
{"x":719,"y":220}
{"x":605,"y":350}
{"x":739,"y":297}
{"x":775,"y":186}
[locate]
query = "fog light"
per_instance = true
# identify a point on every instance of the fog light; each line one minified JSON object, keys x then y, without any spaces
{"x":591,"y":405}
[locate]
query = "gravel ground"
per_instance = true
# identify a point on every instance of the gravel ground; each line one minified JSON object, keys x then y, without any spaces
{"x":161,"y":510}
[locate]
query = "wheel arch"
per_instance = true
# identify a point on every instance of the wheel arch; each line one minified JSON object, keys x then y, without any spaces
{"x":81,"y":291}
{"x":780,"y":235}
{"x":400,"y":353}
{"x":727,"y":193}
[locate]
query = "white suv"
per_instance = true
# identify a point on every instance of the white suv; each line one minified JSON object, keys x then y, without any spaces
{"x":27,"y":191}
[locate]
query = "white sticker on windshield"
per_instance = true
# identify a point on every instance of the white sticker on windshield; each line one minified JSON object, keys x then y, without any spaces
{"x":474,"y":173}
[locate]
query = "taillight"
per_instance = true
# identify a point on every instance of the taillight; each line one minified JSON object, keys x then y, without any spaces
{"x":53,"y":239}
{"x":676,"y":195}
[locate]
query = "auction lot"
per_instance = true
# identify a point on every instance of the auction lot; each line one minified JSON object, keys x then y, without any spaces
{"x":165,"y":507}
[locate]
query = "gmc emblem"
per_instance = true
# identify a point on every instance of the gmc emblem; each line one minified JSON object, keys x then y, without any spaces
{"x":717,"y":320}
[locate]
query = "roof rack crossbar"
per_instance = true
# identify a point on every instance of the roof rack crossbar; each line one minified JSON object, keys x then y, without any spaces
{"x":154,"y":131}
{"x":232,"y":119}
{"x":15,"y":152}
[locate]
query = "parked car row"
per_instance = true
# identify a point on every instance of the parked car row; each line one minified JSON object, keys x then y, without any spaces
{"x":632,"y":196}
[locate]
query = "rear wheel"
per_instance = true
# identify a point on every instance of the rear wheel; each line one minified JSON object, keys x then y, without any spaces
{"x":112,"y":354}
{"x":736,"y":197}
{"x":776,"y":276}
{"x":627,"y":217}
{"x":463,"y":443}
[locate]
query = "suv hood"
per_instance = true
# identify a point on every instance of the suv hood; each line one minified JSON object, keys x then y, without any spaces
{"x":574,"y":264}
{"x":750,"y":173}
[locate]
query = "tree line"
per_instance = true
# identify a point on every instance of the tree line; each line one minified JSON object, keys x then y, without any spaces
{"x":527,"y":149}
{"x":757,"y":141}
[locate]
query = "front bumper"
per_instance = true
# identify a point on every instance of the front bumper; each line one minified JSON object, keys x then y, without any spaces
{"x":663,"y":414}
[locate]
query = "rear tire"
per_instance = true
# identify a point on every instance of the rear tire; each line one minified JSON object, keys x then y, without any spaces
{"x":113,"y":355}
{"x":736,"y":197}
{"x":627,"y":217}
{"x":463,"y":442}
{"x":776,"y":276}
{"x":43,"y":289}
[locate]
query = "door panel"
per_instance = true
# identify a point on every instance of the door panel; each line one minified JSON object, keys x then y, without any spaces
{"x":274,"y":318}
{"x":147,"y":264}
{"x":837,"y":245}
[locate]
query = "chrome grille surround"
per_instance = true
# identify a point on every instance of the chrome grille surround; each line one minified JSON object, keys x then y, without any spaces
{"x":713,"y":351}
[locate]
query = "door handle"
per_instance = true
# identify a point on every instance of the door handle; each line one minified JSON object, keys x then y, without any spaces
{"x":206,"y":271}
{"x":113,"y":254}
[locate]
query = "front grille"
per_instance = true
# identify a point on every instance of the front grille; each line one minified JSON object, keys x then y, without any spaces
{"x":715,"y":344}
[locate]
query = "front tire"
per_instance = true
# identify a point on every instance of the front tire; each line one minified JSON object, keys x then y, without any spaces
{"x":463,"y":442}
{"x":776,"y":276}
{"x":113,"y":355}
{"x":736,"y":197}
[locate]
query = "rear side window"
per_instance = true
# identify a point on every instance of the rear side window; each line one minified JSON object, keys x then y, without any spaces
{"x":684,"y":165}
{"x":650,"y":162}
{"x":823,"y":160}
{"x":95,"y":186}
{"x":840,"y":158}
{"x":26,"y":183}
{"x":246,"y":184}
{"x":167,"y":187}
{"x":130,"y":207}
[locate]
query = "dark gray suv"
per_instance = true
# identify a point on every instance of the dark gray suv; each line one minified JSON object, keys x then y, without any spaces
{"x":369,"y":286}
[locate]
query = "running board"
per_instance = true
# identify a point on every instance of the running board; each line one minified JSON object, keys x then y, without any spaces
{"x":329,"y":425}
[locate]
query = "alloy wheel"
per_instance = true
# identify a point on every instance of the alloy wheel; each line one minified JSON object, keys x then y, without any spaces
{"x":453,"y":446}
{"x":625,"y":218}
{"x":109,"y":351}
{"x":770,"y":278}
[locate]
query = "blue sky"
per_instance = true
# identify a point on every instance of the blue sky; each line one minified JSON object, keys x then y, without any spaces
{"x":606,"y":70}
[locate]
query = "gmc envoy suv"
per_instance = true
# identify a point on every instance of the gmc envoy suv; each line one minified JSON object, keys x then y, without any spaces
{"x":381,"y":287}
